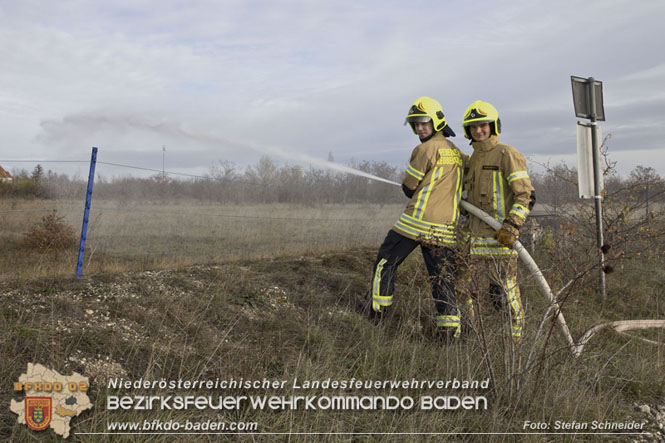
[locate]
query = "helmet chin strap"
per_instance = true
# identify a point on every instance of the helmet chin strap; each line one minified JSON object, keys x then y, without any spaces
{"x":423,"y":140}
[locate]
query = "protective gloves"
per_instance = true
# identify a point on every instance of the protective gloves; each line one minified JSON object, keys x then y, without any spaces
{"x":408,"y":192}
{"x":507,"y":234}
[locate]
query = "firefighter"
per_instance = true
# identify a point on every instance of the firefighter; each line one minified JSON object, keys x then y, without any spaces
{"x":433,"y":183}
{"x":498,"y":183}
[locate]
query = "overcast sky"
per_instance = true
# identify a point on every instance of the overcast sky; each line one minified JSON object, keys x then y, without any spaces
{"x":227,"y":80}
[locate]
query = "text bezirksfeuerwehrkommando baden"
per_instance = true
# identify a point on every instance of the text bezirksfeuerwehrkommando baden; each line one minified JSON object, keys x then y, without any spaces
{"x":294,"y":402}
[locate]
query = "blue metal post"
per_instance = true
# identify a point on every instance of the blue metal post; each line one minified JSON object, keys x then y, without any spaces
{"x":647,"y":198}
{"x":86,"y":212}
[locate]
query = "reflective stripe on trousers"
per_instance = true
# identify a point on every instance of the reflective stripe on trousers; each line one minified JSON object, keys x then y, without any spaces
{"x":377,"y":299}
{"x":489,"y":270}
{"x":449,"y":321}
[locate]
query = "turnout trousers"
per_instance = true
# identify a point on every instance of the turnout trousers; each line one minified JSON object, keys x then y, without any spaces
{"x":441,"y":266}
{"x":495,"y":277}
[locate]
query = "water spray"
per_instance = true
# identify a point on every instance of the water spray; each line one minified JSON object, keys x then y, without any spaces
{"x":59,"y":130}
{"x":214,"y":139}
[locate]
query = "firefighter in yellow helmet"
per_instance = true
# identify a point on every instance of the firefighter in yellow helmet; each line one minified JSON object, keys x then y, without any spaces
{"x":433,"y":183}
{"x":498,"y":183}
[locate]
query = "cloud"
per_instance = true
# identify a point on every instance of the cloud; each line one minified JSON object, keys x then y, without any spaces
{"x":314,"y":77}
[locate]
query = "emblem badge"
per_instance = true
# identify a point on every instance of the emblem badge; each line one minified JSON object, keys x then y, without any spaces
{"x":38,"y":412}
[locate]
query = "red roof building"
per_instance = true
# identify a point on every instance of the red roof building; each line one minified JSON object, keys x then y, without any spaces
{"x":5,"y":175}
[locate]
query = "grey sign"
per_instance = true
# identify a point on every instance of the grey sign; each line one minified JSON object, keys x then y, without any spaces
{"x":582,"y":98}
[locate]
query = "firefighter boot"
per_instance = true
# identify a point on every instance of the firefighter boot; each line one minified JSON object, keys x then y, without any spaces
{"x":448,"y":335}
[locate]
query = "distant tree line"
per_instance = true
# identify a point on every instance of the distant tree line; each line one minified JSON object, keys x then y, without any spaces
{"x":557,"y":186}
{"x":269,"y":182}
{"x":264,"y":182}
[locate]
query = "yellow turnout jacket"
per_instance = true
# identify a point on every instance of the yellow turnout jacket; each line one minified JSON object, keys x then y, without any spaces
{"x":497,"y":183}
{"x":436,"y":175}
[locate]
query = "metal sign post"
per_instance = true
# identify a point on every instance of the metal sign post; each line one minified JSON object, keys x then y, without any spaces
{"x":588,"y":101}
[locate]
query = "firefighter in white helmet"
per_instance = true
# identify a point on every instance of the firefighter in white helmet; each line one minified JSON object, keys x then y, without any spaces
{"x":498,"y":183}
{"x":433,"y":182}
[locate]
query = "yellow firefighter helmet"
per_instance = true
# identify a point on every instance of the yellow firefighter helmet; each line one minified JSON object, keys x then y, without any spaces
{"x":427,"y":109}
{"x":481,"y":112}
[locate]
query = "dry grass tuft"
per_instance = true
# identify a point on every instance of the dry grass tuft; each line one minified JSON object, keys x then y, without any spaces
{"x":50,"y":233}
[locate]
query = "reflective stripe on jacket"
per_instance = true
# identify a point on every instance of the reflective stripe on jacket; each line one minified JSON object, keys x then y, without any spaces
{"x":498,"y":183}
{"x":436,"y":174}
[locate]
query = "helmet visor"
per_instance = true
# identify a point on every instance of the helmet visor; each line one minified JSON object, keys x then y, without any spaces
{"x":418,"y":119}
{"x":477,"y":121}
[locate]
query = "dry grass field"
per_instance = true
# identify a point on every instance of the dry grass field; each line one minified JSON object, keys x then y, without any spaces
{"x":204,"y":292}
{"x":125,"y":237}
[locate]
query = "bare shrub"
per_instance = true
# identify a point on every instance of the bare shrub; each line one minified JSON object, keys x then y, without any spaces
{"x":51,"y":233}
